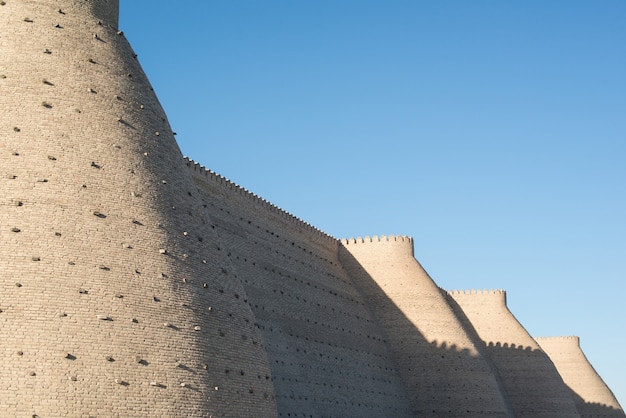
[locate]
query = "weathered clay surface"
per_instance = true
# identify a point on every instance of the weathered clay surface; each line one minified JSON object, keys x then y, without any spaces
{"x":134,"y":282}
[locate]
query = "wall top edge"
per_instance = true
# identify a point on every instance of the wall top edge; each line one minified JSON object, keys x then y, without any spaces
{"x":197,"y":167}
{"x":555,"y":338}
{"x":377,"y":238}
{"x":477,"y":292}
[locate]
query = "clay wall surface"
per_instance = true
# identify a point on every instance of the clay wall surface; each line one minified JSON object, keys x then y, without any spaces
{"x":103,"y":311}
{"x":328,"y":356}
{"x":529,"y":379}
{"x":592,"y":396}
{"x":134,"y":282}
{"x":442,"y":367}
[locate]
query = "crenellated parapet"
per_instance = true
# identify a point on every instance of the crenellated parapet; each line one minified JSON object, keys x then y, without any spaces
{"x":378,"y":239}
{"x":565,"y":338}
{"x":206,"y":174}
{"x":376,"y":245}
{"x":481,"y":297}
{"x":478,"y":292}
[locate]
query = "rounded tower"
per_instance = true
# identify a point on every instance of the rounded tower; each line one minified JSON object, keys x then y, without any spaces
{"x":443,"y":369}
{"x":591,"y":395}
{"x":531,"y":382}
{"x":116,"y":297}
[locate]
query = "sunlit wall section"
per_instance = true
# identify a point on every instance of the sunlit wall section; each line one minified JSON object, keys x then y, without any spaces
{"x":592,"y":396}
{"x":531,"y":382}
{"x":442,"y":368}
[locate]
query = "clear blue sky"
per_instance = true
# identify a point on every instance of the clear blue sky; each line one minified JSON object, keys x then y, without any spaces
{"x":492,"y":132}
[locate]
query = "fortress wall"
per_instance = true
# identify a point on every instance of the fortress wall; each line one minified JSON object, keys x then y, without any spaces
{"x":442,"y":368}
{"x":328,"y":356}
{"x":137,"y":283}
{"x":592,"y":396}
{"x":532,"y":384}
{"x":103,"y":311}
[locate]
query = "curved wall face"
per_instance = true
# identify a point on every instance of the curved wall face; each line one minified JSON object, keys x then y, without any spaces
{"x":592,"y":396}
{"x":114,"y":292}
{"x":106,"y":11}
{"x":532,"y":383}
{"x":443,"y":370}
{"x":327,"y":354}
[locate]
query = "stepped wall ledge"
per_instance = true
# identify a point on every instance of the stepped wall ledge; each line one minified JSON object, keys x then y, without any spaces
{"x":211,"y":175}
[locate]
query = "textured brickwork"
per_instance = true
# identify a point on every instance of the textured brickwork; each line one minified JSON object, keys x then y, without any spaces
{"x":136,"y":283}
{"x":591,"y":395}
{"x":104,"y":248}
{"x":328,"y":356}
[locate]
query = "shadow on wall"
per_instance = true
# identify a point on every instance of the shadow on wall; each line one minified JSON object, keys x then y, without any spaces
{"x":444,"y":379}
{"x":591,"y":409}
{"x":511,"y":353}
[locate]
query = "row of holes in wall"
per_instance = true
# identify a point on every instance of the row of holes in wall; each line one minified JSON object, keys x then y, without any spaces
{"x":315,"y":271}
{"x":321,"y":353}
{"x":276,"y":237}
